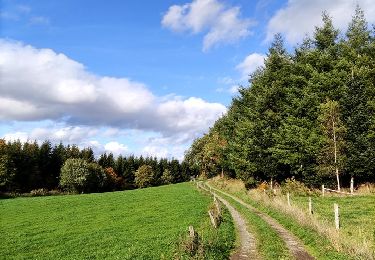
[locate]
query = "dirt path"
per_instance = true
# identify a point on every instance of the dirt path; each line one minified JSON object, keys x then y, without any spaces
{"x":292,"y":242}
{"x":247,"y":248}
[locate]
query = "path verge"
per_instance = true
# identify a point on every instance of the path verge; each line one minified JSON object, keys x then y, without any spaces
{"x":294,"y":245}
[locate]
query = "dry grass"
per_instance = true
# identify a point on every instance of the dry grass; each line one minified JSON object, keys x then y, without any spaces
{"x":342,"y":242}
{"x":368,"y":188}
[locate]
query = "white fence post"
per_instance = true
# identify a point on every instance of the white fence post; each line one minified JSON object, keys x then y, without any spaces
{"x":337,"y":215}
{"x":323,"y":190}
{"x":352,"y":185}
{"x":310,"y":206}
{"x":288,"y":198}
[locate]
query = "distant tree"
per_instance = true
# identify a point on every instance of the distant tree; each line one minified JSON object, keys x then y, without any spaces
{"x":144,"y":176}
{"x":7,"y":169}
{"x":332,"y":157}
{"x":113,"y":181}
{"x":167,"y":177}
{"x":87,"y":154}
{"x":77,"y":175}
{"x":106,"y":160}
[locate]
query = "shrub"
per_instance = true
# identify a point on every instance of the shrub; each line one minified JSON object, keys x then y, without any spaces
{"x":113,"y":181}
{"x":262,"y":186}
{"x":295,"y":187}
{"x":39,"y":192}
{"x":167,"y":177}
{"x":250,"y":183}
{"x":144,"y":176}
{"x":77,"y":175}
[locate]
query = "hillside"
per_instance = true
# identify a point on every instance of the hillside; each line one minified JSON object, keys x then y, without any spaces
{"x":139,"y":224}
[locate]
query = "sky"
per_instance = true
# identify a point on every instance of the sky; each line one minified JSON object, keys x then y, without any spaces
{"x":139,"y":77}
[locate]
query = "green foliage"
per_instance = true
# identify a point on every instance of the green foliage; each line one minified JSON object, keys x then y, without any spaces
{"x":167,"y":177}
{"x":77,"y":175}
{"x":294,"y":187}
{"x":30,"y":166}
{"x":280,"y":126}
{"x":144,"y":176}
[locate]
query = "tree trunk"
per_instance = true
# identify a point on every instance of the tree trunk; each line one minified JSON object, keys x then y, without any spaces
{"x":335,"y":151}
{"x":338,"y":178}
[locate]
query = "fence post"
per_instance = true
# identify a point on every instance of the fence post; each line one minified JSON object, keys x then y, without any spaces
{"x":212,"y":218}
{"x":323,"y":190}
{"x":191,"y":232}
{"x":288,"y":198}
{"x":337,"y":215}
{"x":217,"y":205}
{"x":352,"y":185}
{"x":310,"y":206}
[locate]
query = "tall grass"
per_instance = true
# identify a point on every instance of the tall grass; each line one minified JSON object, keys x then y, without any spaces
{"x":356,"y":247}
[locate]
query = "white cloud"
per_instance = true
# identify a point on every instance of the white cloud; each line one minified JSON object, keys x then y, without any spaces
{"x":250,"y":64}
{"x":160,"y":152}
{"x":39,"y":84}
{"x":66,"y":134}
{"x":233,"y":89}
{"x":22,"y":136}
{"x":221,"y":24}
{"x":299,"y":17}
{"x":189,"y":114}
{"x":115,"y":148}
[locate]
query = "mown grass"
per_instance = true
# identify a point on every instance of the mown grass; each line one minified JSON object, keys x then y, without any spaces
{"x":139,"y":224}
{"x":318,"y":245}
{"x":269,"y":244}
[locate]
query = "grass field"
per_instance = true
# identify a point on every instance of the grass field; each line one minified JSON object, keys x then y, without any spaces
{"x":357,"y":214}
{"x":317,"y":245}
{"x":139,"y":224}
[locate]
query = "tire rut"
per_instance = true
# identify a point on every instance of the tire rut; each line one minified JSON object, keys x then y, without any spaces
{"x":292,"y":242}
{"x":247,"y":249}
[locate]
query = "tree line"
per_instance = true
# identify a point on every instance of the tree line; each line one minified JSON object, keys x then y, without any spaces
{"x":307,"y":114}
{"x":28,"y":166}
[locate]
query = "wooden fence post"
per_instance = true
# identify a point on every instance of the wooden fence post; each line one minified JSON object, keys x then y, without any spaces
{"x":288,"y":198}
{"x":337,"y":215}
{"x":212,"y":218}
{"x":191,"y":232}
{"x":310,"y":206}
{"x":352,"y":185}
{"x":217,"y":205}
{"x":323,"y":190}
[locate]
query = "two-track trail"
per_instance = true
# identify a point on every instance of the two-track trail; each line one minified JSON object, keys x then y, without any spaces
{"x":247,"y":244}
{"x":247,"y":249}
{"x":292,"y":242}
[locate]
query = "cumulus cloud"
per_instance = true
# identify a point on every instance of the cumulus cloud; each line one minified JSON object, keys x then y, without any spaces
{"x":115,"y":148}
{"x":299,"y":17}
{"x":221,"y":24}
{"x":65,"y":134}
{"x":250,"y":64}
{"x":40,"y":84}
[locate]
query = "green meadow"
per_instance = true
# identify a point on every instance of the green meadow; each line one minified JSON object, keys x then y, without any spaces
{"x":137,"y":224}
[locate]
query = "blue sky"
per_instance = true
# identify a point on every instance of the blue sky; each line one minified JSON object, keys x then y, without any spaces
{"x":142,"y":77}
